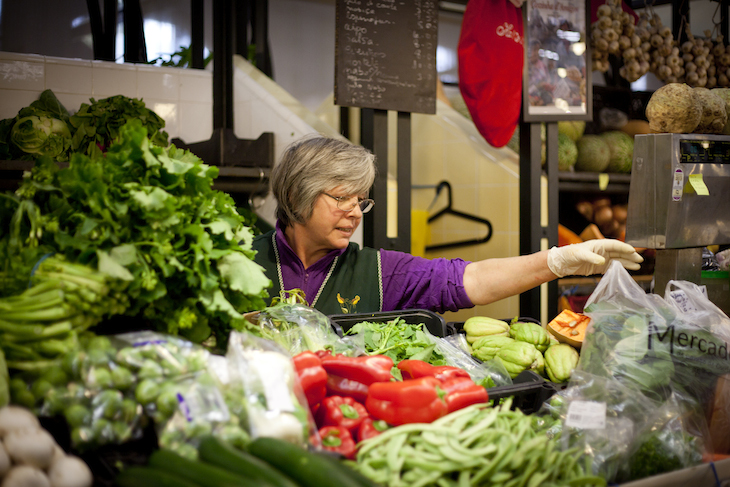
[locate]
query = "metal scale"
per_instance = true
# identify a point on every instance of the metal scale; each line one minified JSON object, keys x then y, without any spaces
{"x":679,"y":202}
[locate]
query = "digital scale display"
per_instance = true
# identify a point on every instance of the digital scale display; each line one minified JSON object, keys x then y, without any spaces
{"x":704,"y":151}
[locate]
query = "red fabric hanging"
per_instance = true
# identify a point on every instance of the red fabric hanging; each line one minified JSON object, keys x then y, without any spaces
{"x":491,"y":58}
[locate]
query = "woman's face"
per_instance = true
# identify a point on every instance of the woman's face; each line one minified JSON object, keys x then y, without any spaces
{"x":329,"y":227}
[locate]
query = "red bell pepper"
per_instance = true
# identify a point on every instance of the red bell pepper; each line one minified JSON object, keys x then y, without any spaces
{"x":341,"y":411}
{"x":312,"y":376}
{"x":370,"y":428}
{"x":462,"y":392}
{"x":338,"y":440}
{"x":414,"y":369}
{"x":366,"y":369}
{"x":410,"y":401}
{"x":339,"y":386}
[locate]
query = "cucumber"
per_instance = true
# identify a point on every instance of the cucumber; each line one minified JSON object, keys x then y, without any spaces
{"x":201,"y":473}
{"x":357,"y":476}
{"x":306,"y":468}
{"x":221,"y":454}
{"x":149,"y":477}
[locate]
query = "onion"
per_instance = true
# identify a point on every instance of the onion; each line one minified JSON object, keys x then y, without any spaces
{"x":603,"y":216}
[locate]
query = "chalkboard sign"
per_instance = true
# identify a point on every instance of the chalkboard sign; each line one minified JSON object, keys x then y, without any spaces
{"x":385,"y":54}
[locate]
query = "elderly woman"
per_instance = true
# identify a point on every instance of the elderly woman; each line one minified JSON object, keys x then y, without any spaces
{"x":321,"y":186}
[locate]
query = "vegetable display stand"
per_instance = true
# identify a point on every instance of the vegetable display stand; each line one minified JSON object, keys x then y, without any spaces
{"x":433,"y":322}
{"x":528,"y":391}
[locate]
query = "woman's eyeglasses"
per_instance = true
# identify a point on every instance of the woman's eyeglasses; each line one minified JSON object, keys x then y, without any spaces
{"x":348,"y":203}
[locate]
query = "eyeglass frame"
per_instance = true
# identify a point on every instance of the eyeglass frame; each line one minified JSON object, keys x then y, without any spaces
{"x":369,"y":203}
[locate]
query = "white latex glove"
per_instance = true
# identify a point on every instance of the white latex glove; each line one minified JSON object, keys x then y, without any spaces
{"x":591,"y":257}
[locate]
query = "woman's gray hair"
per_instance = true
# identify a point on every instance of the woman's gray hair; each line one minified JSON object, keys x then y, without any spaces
{"x":315,"y":164}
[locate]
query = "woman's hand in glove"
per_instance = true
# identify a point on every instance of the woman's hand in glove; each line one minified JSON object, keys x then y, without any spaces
{"x":591,"y":257}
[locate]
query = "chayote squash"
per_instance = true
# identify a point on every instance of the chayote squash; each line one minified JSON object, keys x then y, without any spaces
{"x":479,"y":326}
{"x":486,"y":347}
{"x":560,"y":360}
{"x":530,"y":333}
{"x":519,"y":356}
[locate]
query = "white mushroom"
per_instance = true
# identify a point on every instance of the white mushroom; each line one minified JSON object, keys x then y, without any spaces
{"x":70,"y":471}
{"x":25,"y":476}
{"x":33,"y":447}
{"x":4,"y":460}
{"x":16,"y":417}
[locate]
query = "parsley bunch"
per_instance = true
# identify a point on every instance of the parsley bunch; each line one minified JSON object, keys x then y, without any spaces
{"x":149,"y":216}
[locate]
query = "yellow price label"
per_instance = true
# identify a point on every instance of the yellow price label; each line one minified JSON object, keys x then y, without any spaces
{"x":699,"y":184}
{"x":603,"y":181}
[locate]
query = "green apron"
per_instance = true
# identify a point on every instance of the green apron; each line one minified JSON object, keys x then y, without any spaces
{"x":353,"y":283}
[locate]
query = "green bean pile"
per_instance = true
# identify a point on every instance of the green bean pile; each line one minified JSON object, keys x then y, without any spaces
{"x":477,"y":445}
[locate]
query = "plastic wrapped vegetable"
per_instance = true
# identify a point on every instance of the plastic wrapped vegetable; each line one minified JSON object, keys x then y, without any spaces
{"x":263,"y":377}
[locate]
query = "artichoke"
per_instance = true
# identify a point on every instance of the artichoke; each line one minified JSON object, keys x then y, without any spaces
{"x":560,"y":360}
{"x":531,"y":333}
{"x":519,"y":356}
{"x":486,"y":347}
{"x":479,"y":326}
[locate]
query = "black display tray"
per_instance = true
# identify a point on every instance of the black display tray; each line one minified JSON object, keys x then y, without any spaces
{"x":433,"y":322}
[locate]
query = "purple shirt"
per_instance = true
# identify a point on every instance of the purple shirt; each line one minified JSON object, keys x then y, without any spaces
{"x":409,"y":282}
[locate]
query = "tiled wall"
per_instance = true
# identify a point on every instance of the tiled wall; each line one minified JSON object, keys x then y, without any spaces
{"x":181,"y":97}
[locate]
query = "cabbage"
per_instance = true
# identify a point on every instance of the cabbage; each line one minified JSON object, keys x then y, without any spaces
{"x":41,"y":135}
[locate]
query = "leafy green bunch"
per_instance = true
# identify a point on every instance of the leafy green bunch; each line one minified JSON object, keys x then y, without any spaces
{"x":147,"y":215}
{"x":38,"y":129}
{"x":97,"y":124}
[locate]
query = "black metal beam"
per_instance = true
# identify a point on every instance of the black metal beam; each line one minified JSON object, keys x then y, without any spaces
{"x":223,"y":64}
{"x":197,"y":38}
{"x":530,"y":202}
{"x":135,"y":49}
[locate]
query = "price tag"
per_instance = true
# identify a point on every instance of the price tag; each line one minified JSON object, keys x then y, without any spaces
{"x":677,"y":184}
{"x":586,"y":415}
{"x":603,"y":181}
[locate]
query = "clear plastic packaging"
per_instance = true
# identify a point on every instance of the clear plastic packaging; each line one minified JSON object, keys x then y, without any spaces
{"x":272,"y":403}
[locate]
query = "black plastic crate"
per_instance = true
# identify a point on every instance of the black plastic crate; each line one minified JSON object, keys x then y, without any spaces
{"x":528,"y":391}
{"x":433,"y":322}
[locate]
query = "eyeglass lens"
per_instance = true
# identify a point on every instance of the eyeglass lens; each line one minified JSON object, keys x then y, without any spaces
{"x":350,"y":204}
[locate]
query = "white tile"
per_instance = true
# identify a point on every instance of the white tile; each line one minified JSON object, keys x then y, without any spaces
{"x":22,"y":74}
{"x":72,"y":76}
{"x":196,"y":85}
{"x":158,"y":83}
{"x":168,"y":111}
{"x":196,"y":122}
{"x":111,"y":79}
{"x":11,"y":101}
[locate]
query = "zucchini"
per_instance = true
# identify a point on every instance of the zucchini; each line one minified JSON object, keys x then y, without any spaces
{"x":201,"y":473}
{"x":221,"y":454}
{"x":306,"y":468}
{"x":149,"y":477}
